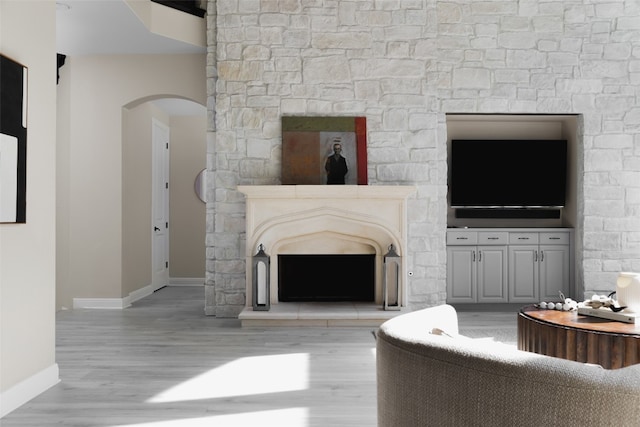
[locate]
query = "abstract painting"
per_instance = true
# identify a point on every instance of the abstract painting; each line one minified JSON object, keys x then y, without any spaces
{"x":324,"y":150}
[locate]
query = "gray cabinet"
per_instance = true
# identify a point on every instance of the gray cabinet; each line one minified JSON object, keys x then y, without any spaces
{"x":508,"y":265}
{"x":461,"y":274}
{"x":476,"y":267}
{"x":492,"y":274}
{"x":539,"y":266}
{"x":523,"y":273}
{"x":554,"y":271}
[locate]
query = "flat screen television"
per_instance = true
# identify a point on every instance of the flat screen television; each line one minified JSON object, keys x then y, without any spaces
{"x":508,"y":173}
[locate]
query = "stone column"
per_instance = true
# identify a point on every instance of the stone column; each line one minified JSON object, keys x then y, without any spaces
{"x":212,"y":79}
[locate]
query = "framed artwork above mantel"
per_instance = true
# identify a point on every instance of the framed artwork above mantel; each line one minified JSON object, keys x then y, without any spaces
{"x":324,"y":150}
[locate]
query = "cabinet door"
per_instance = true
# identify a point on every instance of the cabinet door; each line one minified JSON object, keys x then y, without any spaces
{"x":523,"y":273}
{"x":492,"y":274}
{"x":461,"y":274}
{"x":554,"y":272}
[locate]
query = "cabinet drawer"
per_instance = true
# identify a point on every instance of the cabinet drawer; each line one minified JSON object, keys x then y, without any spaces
{"x":523,"y":238}
{"x":493,"y":238}
{"x":554,"y":238}
{"x":462,"y":237}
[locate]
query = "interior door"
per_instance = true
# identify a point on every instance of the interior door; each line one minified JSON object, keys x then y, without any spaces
{"x":160,"y":205}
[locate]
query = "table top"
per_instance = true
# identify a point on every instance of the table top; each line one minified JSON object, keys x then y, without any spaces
{"x":571,"y":319}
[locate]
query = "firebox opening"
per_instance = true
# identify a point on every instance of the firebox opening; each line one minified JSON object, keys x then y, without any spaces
{"x":326,"y":278}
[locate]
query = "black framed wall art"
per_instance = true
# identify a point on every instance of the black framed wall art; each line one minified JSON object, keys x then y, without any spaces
{"x":13,"y":141}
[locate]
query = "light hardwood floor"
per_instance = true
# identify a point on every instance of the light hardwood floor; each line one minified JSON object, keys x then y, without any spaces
{"x":162,"y":363}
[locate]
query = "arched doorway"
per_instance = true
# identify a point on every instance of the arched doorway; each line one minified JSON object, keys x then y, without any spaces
{"x":164,"y":149}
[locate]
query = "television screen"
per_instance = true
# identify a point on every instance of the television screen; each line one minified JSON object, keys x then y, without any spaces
{"x":508,"y":173}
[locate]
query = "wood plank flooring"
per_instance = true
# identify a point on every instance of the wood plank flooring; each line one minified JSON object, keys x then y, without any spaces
{"x":163,"y":363}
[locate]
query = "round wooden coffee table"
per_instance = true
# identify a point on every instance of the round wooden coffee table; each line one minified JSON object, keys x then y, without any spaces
{"x":571,"y":336}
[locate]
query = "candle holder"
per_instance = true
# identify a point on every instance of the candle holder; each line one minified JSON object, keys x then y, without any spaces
{"x":392,"y":269}
{"x":261,"y":282}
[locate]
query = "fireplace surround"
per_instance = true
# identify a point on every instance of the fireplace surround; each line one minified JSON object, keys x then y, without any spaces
{"x":325,"y":220}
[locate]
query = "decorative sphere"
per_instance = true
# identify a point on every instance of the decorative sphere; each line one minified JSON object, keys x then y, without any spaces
{"x":558,"y":306}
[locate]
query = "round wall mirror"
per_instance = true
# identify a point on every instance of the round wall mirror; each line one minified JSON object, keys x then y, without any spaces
{"x":200,"y":185}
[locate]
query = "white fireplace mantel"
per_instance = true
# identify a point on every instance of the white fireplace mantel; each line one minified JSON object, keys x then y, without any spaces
{"x":316,"y":219}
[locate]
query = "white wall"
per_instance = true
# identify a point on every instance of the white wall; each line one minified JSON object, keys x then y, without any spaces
{"x":136,"y":195}
{"x":91,"y":193}
{"x":187,"y":212}
{"x":27,"y":251}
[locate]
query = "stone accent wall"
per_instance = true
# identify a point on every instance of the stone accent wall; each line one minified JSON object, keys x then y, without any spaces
{"x":404,"y":64}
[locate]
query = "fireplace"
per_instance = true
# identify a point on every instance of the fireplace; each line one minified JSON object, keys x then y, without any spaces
{"x":351,"y":226}
{"x":326,"y":277}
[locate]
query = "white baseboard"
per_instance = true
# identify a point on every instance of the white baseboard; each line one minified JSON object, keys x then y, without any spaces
{"x":186,"y":281}
{"x":139,"y":294}
{"x":26,"y":390}
{"x":101,"y":303}
{"x":122,"y":303}
{"x":113,"y":303}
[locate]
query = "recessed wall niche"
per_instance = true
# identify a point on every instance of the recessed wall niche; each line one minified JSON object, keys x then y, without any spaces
{"x":518,"y":126}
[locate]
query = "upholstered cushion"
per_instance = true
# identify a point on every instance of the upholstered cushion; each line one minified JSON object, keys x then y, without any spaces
{"x":430,"y":379}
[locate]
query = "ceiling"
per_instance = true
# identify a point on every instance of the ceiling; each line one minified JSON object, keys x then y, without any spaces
{"x":109,"y":27}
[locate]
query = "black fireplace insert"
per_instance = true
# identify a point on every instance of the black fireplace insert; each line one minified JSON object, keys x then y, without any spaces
{"x":326,"y":278}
